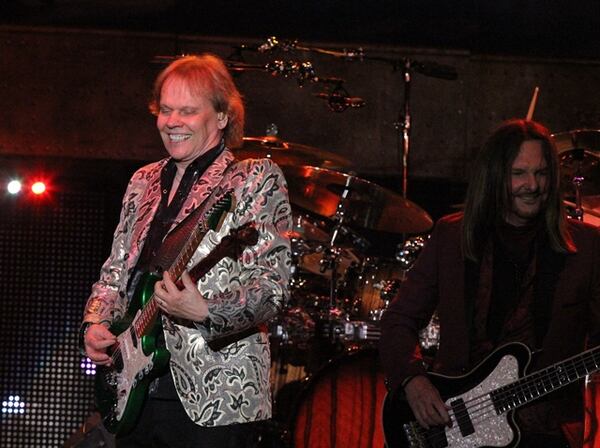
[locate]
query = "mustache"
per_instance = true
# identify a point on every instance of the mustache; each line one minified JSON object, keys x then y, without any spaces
{"x":529,"y":193}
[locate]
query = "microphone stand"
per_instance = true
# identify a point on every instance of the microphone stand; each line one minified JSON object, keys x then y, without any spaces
{"x":403,"y":126}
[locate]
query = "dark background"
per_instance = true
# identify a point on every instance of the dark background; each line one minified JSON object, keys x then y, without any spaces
{"x":74,"y":90}
{"x":518,"y":27}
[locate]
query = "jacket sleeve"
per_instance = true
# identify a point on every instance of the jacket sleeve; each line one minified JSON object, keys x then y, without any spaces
{"x":258,"y":292}
{"x":408,"y":313}
{"x":103,"y":305}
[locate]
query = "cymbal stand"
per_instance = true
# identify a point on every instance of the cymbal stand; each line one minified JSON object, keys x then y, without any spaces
{"x":403,"y":126}
{"x":577,"y":182}
{"x":332,"y":254}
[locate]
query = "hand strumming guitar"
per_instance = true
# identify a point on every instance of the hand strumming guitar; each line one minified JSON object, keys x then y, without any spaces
{"x":426,"y":403}
{"x":187,"y":303}
{"x":96,"y":340}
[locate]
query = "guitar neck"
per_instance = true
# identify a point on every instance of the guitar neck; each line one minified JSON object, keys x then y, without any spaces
{"x":149,"y":313}
{"x":230,"y":245}
{"x":545,"y":381}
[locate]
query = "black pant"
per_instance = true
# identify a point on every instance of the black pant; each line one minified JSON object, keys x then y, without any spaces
{"x":164,"y":423}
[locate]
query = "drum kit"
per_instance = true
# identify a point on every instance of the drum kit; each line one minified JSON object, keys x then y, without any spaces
{"x":579,"y":158}
{"x":338,"y":290}
{"x":325,"y":338}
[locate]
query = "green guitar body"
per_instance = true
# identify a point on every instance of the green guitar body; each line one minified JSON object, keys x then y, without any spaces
{"x":152,"y":362}
{"x":122,"y":387}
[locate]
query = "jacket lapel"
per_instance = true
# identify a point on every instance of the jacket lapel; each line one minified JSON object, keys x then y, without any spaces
{"x":147,"y":209}
{"x":205,"y":185}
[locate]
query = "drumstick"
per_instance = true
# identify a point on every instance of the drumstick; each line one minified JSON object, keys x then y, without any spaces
{"x":532,"y":103}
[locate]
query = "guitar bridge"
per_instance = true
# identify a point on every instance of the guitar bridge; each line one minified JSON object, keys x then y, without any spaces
{"x":418,"y":437}
{"x":415,"y":435}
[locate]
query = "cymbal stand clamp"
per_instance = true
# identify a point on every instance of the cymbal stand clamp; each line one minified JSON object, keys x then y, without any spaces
{"x":577,"y":183}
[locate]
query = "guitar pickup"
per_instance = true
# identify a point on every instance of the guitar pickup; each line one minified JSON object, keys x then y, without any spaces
{"x":462,"y":417}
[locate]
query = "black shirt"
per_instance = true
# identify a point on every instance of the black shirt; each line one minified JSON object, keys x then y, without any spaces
{"x":166,"y":213}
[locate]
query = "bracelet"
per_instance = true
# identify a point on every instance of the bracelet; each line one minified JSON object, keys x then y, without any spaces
{"x":82,"y":332}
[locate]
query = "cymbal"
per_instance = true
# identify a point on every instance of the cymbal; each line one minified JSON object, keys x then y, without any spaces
{"x":580,"y":138}
{"x":367,"y":205}
{"x":579,"y":155}
{"x":285,"y":153}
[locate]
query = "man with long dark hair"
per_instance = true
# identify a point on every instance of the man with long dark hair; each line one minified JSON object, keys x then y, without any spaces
{"x":510,"y":268}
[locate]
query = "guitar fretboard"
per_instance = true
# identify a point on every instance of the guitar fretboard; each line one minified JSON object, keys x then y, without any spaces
{"x":545,"y":381}
{"x":149,"y":313}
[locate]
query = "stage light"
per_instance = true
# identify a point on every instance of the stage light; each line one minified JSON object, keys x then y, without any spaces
{"x":88,"y":366}
{"x":38,"y":187}
{"x":14,"y":186}
{"x":13,"y":405}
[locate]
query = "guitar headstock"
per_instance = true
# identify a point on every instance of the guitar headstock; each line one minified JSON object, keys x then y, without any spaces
{"x":238,"y":239}
{"x":246,"y":234}
{"x":232,"y":246}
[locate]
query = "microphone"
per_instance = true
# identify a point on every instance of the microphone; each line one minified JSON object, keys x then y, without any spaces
{"x":339,"y":103}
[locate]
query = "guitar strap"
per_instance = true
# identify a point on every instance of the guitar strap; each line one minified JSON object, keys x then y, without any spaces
{"x":175,"y":240}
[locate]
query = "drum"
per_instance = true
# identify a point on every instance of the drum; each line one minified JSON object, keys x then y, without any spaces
{"x":307,"y":233}
{"x":312,"y":262}
{"x":341,"y":405}
{"x":591,"y":434}
{"x":365,"y":284}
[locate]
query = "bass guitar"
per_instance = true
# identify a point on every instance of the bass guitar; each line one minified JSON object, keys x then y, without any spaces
{"x":121,"y":388}
{"x":482,"y":402}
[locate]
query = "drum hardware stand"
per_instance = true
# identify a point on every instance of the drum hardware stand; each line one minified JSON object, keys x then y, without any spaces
{"x":577,"y":182}
{"x":403,"y":126}
{"x":332,"y":253}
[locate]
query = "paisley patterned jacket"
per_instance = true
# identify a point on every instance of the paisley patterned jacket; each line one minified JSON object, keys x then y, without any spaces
{"x":230,"y":383}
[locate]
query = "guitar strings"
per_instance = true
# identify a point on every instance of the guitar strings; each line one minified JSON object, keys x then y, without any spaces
{"x":522,"y":385}
{"x":178,"y":265}
{"x":116,"y":354}
{"x":175,"y":270}
{"x":507,"y":398}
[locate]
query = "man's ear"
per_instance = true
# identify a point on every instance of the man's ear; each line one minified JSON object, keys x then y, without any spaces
{"x":222,"y":120}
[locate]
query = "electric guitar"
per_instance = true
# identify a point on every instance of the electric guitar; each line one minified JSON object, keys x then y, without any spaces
{"x":121,"y":388}
{"x":482,"y":402}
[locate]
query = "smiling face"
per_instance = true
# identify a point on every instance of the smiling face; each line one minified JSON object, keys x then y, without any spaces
{"x":528,"y":184}
{"x":188,"y":124}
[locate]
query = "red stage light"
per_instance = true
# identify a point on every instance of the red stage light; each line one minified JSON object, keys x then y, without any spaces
{"x":38,"y":187}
